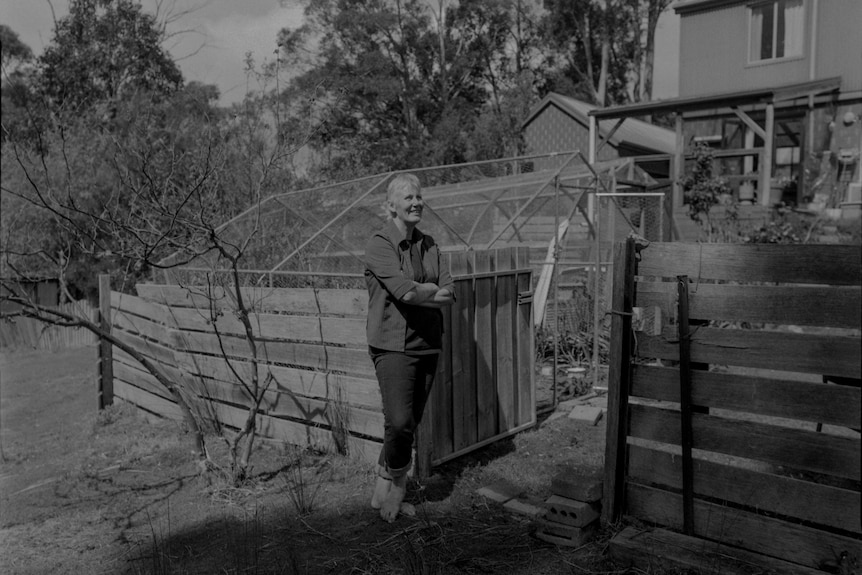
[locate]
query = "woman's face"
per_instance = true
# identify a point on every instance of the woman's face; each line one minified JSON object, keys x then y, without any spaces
{"x":407,"y":205}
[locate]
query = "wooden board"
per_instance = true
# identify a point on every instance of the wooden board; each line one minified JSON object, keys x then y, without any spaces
{"x":314,"y":412}
{"x":271,"y":326}
{"x":152,"y":350}
{"x":486,"y":335}
{"x":618,"y":381}
{"x":145,"y":400}
{"x":767,"y":492}
{"x":776,"y":397}
{"x":525,"y":346}
{"x":463,"y":356}
{"x":133,"y":373}
{"x":504,"y":353}
{"x":834,"y":265}
{"x":141,"y":326}
{"x":793,"y":448}
{"x":806,"y":353}
{"x":772,"y":537}
{"x":140,"y":307}
{"x":317,"y":357}
{"x":839,"y":306}
{"x":442,"y":396}
{"x":362,"y":392}
{"x":297,"y":433}
{"x":660,"y":551}
{"x":348,"y":302}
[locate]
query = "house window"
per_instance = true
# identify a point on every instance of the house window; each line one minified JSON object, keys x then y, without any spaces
{"x":776,"y":29}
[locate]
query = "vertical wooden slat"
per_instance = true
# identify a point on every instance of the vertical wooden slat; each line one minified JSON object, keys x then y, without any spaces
{"x":486,"y":391}
{"x":442,"y":394}
{"x":685,"y":405}
{"x":525,"y":342}
{"x":463,"y":356}
{"x":106,"y":363}
{"x":619,"y":379}
{"x":505,"y":343}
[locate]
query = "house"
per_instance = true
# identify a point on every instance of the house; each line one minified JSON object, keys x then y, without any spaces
{"x":775,"y":88}
{"x":559,"y":123}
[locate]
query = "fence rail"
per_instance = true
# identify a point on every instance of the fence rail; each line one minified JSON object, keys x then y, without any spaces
{"x":723,"y":422}
{"x":311,"y":347}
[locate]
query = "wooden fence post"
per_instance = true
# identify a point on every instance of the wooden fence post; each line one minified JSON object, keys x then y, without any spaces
{"x":106,"y":366}
{"x":619,"y":379}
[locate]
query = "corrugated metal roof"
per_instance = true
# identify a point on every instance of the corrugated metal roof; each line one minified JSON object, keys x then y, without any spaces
{"x":632,"y":132}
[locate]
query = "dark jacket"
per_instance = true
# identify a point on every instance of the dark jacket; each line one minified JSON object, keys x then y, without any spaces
{"x":389,"y":275}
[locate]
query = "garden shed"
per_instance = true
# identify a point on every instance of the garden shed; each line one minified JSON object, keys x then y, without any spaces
{"x":560,"y":122}
{"x":511,"y":235}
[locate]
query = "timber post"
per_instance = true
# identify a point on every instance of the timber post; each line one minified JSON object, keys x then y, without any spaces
{"x":106,"y":367}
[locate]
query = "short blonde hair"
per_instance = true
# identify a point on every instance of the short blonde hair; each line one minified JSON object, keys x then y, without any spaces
{"x":403,"y":182}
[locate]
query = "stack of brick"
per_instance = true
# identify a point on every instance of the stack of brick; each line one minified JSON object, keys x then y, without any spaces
{"x":572,"y":512}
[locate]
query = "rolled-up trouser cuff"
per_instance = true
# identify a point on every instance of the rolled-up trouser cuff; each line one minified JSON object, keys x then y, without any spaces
{"x":398,"y":473}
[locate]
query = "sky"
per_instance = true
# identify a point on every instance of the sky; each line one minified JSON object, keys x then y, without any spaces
{"x":221,"y":32}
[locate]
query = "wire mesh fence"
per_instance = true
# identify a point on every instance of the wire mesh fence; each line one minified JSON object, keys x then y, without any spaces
{"x":568,"y":213}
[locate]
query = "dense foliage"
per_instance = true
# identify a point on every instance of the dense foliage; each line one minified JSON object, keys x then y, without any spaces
{"x":111,"y":160}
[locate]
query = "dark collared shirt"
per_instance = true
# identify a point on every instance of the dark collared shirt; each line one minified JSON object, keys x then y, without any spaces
{"x":392,"y":265}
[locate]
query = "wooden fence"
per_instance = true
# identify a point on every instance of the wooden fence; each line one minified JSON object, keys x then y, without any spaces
{"x":29,"y":333}
{"x":312,"y":342}
{"x":733,"y":437}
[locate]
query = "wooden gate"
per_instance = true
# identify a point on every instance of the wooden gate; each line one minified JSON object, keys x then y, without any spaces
{"x":720,"y":424}
{"x":312,"y":342}
{"x":484,"y":388}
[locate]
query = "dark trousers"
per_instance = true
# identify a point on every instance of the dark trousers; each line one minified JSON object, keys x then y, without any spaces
{"x":405,"y":382}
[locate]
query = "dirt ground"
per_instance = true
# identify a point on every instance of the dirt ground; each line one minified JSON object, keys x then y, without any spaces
{"x":83,"y":491}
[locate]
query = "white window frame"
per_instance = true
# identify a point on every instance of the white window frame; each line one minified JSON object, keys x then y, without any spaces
{"x":772,"y":59}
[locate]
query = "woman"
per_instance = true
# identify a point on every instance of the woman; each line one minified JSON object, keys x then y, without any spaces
{"x":406,"y":289}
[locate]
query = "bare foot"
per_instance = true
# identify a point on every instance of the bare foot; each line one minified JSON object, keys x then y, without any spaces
{"x":392,"y":504}
{"x":407,"y":509}
{"x":381,"y":490}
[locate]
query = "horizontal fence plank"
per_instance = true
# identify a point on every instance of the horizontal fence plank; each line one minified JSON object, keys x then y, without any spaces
{"x":293,"y":300}
{"x":806,"y":264}
{"x":297,"y":433}
{"x":140,"y":378}
{"x":839,"y":306}
{"x":314,"y":412}
{"x":793,"y":448}
{"x":319,"y":357}
{"x":342,"y":331}
{"x":141,"y":326}
{"x":146,"y":400}
{"x":785,"y":496}
{"x":815,"y":402}
{"x":149,"y":349}
{"x":138,"y":306}
{"x":789,"y":541}
{"x":362,"y":392}
{"x":806,"y":353}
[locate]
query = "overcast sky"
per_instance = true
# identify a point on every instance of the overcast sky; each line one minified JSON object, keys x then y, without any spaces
{"x":226,"y":29}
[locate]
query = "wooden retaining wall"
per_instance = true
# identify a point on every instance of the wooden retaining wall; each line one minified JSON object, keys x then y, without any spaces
{"x":29,"y":333}
{"x":312,"y":343}
{"x":733,"y":437}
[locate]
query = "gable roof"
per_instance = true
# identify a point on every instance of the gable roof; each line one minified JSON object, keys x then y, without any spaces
{"x":633,"y":133}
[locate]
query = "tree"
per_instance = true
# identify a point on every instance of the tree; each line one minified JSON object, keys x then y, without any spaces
{"x":403,"y":83}
{"x":13,"y":52}
{"x":603,"y":49}
{"x":151,"y":193}
{"x":703,"y":190}
{"x":104,"y":51}
{"x":15,"y":84}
